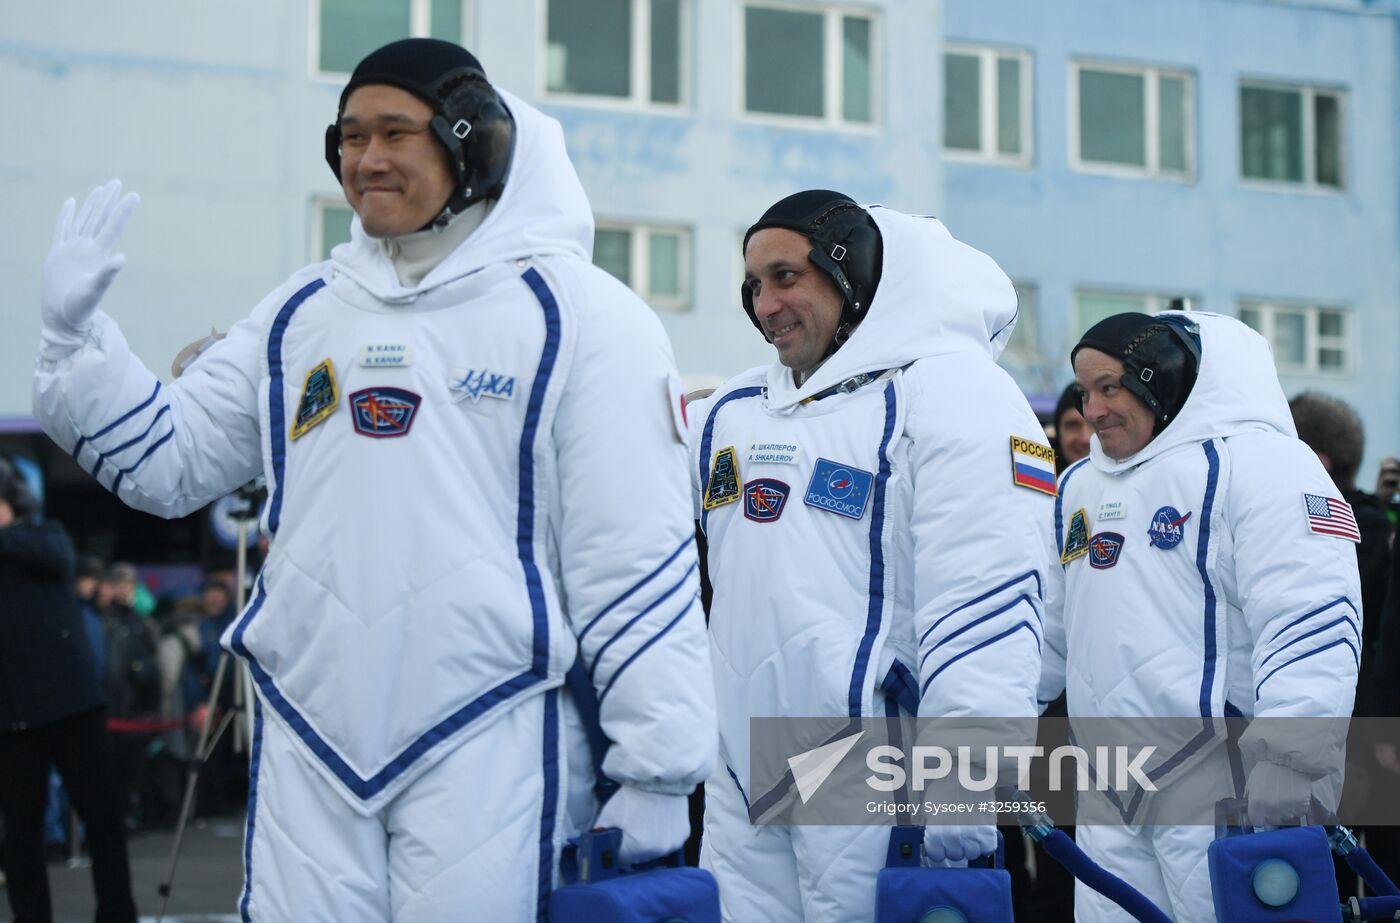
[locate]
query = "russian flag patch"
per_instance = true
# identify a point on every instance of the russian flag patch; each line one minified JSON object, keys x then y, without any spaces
{"x":1033,"y":465}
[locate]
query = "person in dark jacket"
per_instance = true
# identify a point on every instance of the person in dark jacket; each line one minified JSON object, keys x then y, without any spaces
{"x":50,"y":713}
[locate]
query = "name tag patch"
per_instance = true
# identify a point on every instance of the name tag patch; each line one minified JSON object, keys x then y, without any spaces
{"x":840,"y":489}
{"x":764,"y":499}
{"x":723,"y":486}
{"x":479,"y":383}
{"x":1104,"y":549}
{"x":319,"y":398}
{"x":1077,"y":539}
{"x":1166,"y":530}
{"x":386,"y":355}
{"x":773,"y":453}
{"x":383,"y":413}
{"x":1032,"y":465}
{"x":1112,"y":510}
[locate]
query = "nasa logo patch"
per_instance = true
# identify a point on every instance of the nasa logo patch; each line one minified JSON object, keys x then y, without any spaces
{"x":840,"y":489}
{"x":764,"y":499}
{"x":1104,"y":549}
{"x":1166,"y":530}
{"x":319,"y":398}
{"x":383,"y":413}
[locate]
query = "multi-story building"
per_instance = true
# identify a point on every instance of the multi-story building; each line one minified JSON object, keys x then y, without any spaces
{"x":1111,"y":154}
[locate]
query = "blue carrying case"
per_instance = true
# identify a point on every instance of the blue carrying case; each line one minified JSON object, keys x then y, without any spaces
{"x":601,"y":891}
{"x":1270,"y":876}
{"x":906,"y":892}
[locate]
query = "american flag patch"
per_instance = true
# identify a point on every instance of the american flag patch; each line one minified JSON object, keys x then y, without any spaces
{"x":1329,"y":516}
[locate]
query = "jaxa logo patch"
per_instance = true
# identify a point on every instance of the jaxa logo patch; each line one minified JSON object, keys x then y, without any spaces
{"x":476,"y":385}
{"x":724,"y":479}
{"x":1104,"y":549}
{"x":383,"y":413}
{"x":1166,"y":530}
{"x":764,"y":499}
{"x":319,"y":398}
{"x":839,"y":489}
{"x":1077,"y":539}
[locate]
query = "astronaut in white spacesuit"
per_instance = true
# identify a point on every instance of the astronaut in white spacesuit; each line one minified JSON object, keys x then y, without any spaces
{"x":1208,"y":570}
{"x":877,"y":507}
{"x":454,"y":521}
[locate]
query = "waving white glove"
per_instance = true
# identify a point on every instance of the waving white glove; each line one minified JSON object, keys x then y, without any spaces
{"x":955,"y":843}
{"x":653,"y":825}
{"x":1276,"y":794}
{"x":81,"y":264}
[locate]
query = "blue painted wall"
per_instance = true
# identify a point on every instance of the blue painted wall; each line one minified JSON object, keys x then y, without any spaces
{"x":1215,"y":236}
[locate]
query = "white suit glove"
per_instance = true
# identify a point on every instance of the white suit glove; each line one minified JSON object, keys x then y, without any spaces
{"x":653,"y":825}
{"x":944,"y":843}
{"x":81,"y":264}
{"x":1276,"y":794}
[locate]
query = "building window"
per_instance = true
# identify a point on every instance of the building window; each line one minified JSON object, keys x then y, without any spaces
{"x":1024,"y":346}
{"x":628,"y":50}
{"x":1133,"y":120}
{"x":653,"y":261}
{"x":987,"y":103}
{"x":1305,"y":338}
{"x":344,"y":31}
{"x":330,"y":226}
{"x":1092,"y":306}
{"x":1291,"y":135}
{"x":809,"y":64}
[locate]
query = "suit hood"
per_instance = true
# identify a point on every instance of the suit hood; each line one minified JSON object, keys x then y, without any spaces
{"x":1236,"y":391}
{"x":937,"y":295}
{"x":542,"y":211}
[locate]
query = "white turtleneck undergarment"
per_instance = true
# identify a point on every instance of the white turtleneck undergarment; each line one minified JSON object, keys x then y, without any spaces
{"x":417,"y":254}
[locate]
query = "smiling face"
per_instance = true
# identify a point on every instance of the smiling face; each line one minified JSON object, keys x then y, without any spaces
{"x":797,"y":304}
{"x":393,"y":170}
{"x":1122,"y":422}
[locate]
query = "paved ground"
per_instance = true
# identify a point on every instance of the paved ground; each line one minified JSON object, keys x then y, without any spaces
{"x":207,"y":880}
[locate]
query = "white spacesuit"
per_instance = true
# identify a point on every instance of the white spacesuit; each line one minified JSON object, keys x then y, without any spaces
{"x":1205,"y":575}
{"x":870,"y":540}
{"x":473,"y":480}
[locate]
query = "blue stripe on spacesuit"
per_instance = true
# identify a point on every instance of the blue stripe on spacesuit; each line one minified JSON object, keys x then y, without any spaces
{"x":117,"y":481}
{"x":78,"y":446}
{"x":981,"y":644}
{"x":368,"y":788}
{"x":652,"y":640}
{"x":1343,"y":620}
{"x":525,"y":517}
{"x":1316,"y":650}
{"x":598,"y":657}
{"x":707,"y":440}
{"x":742,"y":793}
{"x":365,"y":788}
{"x":276,"y":411}
{"x":978,"y":621}
{"x":549,"y":805}
{"x":1060,"y":504}
{"x":252,"y":811}
{"x":877,"y":562}
{"x":103,"y":456}
{"x":1318,"y":610}
{"x":1202,"y":549}
{"x":634,"y":588}
{"x":1039,"y":592}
